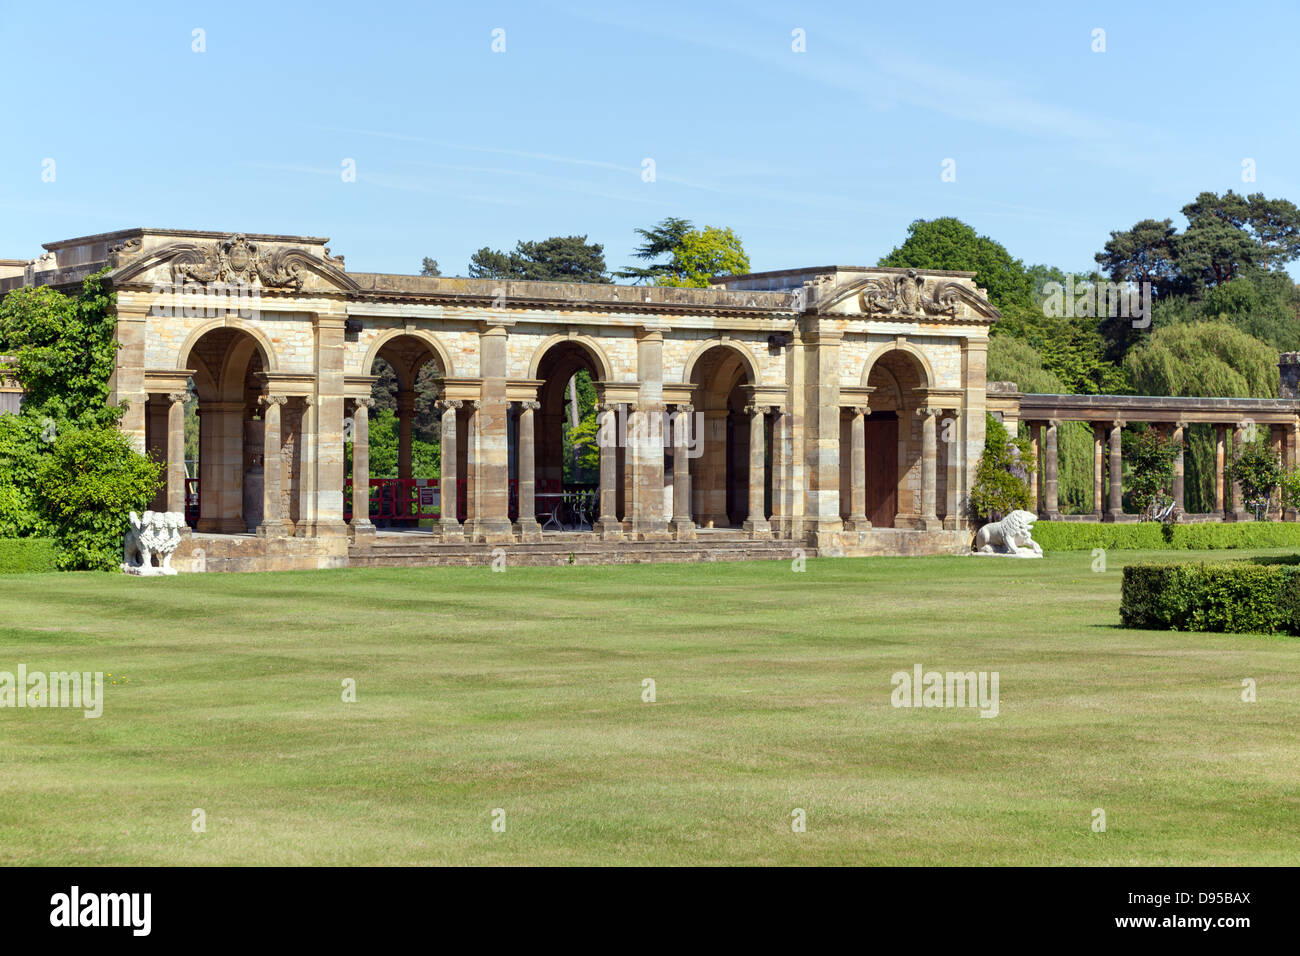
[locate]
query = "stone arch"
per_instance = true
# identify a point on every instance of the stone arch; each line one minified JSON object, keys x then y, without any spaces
{"x":228,"y":363}
{"x":747,"y":358}
{"x":430,"y":340}
{"x":723,"y":376}
{"x":928,"y":376}
{"x":601,"y":367}
{"x":269,"y":359}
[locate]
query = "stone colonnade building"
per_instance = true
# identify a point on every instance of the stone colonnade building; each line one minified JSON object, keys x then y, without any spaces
{"x":835,"y":407}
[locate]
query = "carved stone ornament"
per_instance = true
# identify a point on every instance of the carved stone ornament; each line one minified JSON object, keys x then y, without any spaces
{"x":155,"y":536}
{"x":237,"y":260}
{"x":1010,"y":537}
{"x":911,"y":294}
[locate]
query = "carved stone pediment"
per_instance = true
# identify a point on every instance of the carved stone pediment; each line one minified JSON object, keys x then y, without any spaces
{"x":237,"y":260}
{"x":911,"y":294}
{"x":898,"y":294}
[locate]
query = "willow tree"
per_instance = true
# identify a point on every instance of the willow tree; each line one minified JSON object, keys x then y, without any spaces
{"x":1213,"y":359}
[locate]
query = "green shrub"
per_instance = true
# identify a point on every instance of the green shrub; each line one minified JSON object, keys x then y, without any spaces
{"x":1155,"y":536}
{"x":27,"y":555}
{"x":87,"y":484}
{"x":1230,"y":596}
{"x":1002,"y":476}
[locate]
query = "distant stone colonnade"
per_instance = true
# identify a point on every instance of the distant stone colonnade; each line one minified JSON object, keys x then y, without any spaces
{"x":1232,"y":420}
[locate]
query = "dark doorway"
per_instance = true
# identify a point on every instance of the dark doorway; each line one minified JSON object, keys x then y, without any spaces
{"x":882,"y":468}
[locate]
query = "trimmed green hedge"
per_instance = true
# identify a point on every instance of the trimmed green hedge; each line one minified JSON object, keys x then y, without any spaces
{"x":1149,"y":536}
{"x":26,"y":555}
{"x":1236,"y":596}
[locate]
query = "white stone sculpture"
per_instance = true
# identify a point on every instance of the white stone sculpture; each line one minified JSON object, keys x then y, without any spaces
{"x":154,"y":536}
{"x":1010,"y":537}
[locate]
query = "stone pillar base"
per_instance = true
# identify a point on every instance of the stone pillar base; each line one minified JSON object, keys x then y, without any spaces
{"x":326,"y":529}
{"x":929,"y":523}
{"x":857,"y":523}
{"x":493,"y":531}
{"x":273,"y":529}
{"x":221,"y":526}
{"x":906,"y":522}
{"x":361,"y":532}
{"x":528,"y":529}
{"x":1052,"y":516}
{"x":1112,"y":516}
{"x":684,"y":530}
{"x":1290,"y":514}
{"x":757,"y":529}
{"x":451,"y":531}
{"x":953,"y":523}
{"x":609,"y":529}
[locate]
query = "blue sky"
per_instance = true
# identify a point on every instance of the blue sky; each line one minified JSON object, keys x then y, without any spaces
{"x":813,"y":158}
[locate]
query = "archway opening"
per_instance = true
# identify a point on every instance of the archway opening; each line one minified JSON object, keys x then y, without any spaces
{"x":405,"y":438}
{"x":566,"y":429}
{"x":227,"y":364}
{"x":720,"y":475}
{"x":893,"y":440}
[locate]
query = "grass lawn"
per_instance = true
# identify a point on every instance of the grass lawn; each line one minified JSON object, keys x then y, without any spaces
{"x":522,"y":691}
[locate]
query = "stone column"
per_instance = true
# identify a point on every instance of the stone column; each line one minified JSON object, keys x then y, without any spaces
{"x":360,"y":527}
{"x":821,"y":422}
{"x":405,"y":424}
{"x":683,"y":527}
{"x":756,"y":525}
{"x":1098,"y":471}
{"x":1292,"y":450}
{"x":527,"y":527}
{"x":1051,"y":478}
{"x":929,"y":468}
{"x":327,"y":516}
{"x":1277,"y":441}
{"x":272,"y":524}
{"x":953,"y":519}
{"x":1220,"y":463}
{"x":608,"y":525}
{"x":646,"y":453}
{"x":176,"y":451}
{"x":448,"y":524}
{"x":1238,"y":505}
{"x":1179,"y":437}
{"x":1035,"y":450}
{"x":858,"y":470}
{"x":1116,"y":509}
{"x":782,"y":519}
{"x":490,"y":444}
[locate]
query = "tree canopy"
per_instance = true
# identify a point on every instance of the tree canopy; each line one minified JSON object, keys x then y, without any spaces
{"x":948,"y":243}
{"x":557,"y":259}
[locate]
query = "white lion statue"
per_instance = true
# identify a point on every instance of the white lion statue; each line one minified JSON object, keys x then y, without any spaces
{"x":1009,"y":536}
{"x":154,"y":536}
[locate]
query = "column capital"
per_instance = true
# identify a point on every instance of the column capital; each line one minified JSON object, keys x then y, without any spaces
{"x":272,"y":399}
{"x":1117,"y":423}
{"x":1053,"y":423}
{"x":366,"y":402}
{"x":928,"y":411}
{"x":859,"y":411}
{"x":607,"y":407}
{"x":178,"y":397}
{"x":443,"y":404}
{"x":685,"y":409}
{"x":530,"y":405}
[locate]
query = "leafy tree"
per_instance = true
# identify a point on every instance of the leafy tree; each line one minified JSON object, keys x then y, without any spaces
{"x":1203,"y":358}
{"x":1145,"y":253}
{"x":22,"y":443}
{"x":661,"y":240}
{"x":558,"y":259}
{"x":430,"y":267}
{"x":1273,"y":225}
{"x":702,"y":254}
{"x":1150,"y":459}
{"x":62,"y":350}
{"x":948,"y":243}
{"x":85,"y":487}
{"x":1002,"y":476}
{"x":1258,"y":469}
